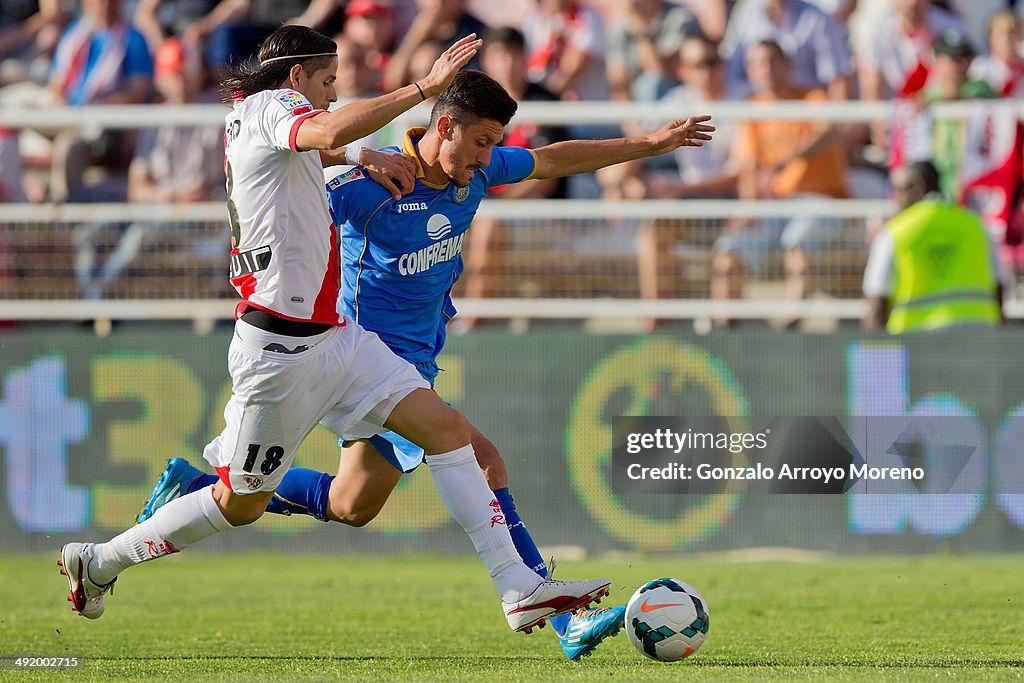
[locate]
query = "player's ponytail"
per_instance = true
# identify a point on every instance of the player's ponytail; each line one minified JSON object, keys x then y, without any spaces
{"x":283,"y":49}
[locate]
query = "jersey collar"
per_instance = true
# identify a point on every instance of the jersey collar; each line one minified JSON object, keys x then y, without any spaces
{"x":409,"y":147}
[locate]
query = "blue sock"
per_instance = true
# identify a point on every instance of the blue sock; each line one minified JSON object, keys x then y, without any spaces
{"x":526,"y":548}
{"x":303,"y":492}
{"x":201,"y":482}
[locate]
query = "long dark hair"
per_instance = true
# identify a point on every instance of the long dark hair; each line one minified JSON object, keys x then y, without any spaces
{"x":244,"y":80}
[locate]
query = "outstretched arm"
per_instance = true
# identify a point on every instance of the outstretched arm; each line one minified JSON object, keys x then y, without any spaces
{"x":360,"y":118}
{"x":582,"y":156}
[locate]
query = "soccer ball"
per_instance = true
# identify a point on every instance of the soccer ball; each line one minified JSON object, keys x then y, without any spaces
{"x":667,"y":620}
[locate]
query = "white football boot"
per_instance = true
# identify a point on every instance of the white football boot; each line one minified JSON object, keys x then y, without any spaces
{"x":551,"y":598}
{"x":86,"y":597}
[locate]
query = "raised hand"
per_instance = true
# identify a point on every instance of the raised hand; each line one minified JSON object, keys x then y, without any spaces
{"x":449,"y":63}
{"x":691,"y":132}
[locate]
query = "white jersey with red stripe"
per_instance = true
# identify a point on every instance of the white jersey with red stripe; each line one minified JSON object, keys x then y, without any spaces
{"x":284,"y":246}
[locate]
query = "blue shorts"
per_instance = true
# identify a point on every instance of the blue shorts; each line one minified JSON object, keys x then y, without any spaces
{"x":404,"y":455}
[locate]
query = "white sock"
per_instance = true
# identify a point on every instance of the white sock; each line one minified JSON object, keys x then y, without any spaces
{"x":465,"y":493}
{"x":173,"y":527}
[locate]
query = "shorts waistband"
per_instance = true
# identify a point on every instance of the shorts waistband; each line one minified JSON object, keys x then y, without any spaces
{"x":269,"y":322}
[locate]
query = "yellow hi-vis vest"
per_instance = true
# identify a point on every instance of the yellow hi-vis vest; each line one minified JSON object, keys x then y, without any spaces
{"x":944,"y":273}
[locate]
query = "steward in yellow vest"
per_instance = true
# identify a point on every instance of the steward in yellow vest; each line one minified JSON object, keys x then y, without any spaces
{"x":943,"y":271}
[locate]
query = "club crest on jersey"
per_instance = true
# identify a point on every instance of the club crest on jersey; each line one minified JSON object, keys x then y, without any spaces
{"x":462,"y":194}
{"x":252,"y":483}
{"x":438,"y":226}
{"x":346,"y":177}
{"x":292,"y":100}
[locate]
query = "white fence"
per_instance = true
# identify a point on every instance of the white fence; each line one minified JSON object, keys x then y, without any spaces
{"x":546,"y":223}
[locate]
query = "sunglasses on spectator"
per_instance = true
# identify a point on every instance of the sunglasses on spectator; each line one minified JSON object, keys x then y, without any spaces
{"x":705,"y":64}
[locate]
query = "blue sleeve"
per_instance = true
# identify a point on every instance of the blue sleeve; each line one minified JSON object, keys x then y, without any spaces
{"x":137,"y":59}
{"x":352,"y":197}
{"x":510,"y":165}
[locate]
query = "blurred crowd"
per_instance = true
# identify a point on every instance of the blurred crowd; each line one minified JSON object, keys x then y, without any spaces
{"x":688,"y":52}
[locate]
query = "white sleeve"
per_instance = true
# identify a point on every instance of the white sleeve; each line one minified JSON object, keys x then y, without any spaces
{"x":279,"y":119}
{"x":879,"y":272}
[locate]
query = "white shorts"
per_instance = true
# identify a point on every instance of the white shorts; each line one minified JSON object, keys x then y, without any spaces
{"x":346,"y":379}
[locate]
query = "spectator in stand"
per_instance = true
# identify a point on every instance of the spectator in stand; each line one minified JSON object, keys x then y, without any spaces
{"x":934,"y":266}
{"x":976,"y":16}
{"x":100,"y":59}
{"x":439,"y":21}
{"x":1003,"y":67}
{"x":28,"y":36}
{"x":423,"y":59}
{"x":369,"y":24}
{"x":232,"y":31}
{"x":325,"y":16}
{"x":707,"y":172}
{"x":565,"y":46}
{"x":779,"y":160}
{"x":158,"y":20}
{"x":712,"y":15}
{"x":172,"y":164}
{"x":948,"y":81}
{"x":813,"y":42}
{"x":356,"y":79}
{"x":565,"y":49}
{"x":504,"y":60}
{"x":642,"y":45}
{"x":899,"y":48}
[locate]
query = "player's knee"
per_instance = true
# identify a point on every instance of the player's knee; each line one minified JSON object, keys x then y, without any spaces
{"x":455,"y":429}
{"x":358,"y":519}
{"x":353,"y":515}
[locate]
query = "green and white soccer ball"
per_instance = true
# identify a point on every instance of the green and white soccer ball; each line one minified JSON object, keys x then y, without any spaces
{"x":667,"y":620}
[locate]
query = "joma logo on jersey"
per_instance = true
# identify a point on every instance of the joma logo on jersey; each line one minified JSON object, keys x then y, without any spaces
{"x":412,"y":206}
{"x":427,"y":257}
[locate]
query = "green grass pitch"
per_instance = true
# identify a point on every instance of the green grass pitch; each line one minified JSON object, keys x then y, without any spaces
{"x":280,"y":617}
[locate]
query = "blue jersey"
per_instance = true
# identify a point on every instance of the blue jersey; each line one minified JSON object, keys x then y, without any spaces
{"x":400,"y":259}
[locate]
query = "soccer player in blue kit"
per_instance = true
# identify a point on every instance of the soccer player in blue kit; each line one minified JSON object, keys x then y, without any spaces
{"x":400,"y":260}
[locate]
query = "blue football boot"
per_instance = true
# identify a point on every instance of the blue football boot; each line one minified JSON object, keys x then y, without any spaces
{"x":174,"y":483}
{"x":588,"y":628}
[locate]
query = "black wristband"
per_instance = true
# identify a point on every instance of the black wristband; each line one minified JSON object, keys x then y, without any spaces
{"x":422,"y":94}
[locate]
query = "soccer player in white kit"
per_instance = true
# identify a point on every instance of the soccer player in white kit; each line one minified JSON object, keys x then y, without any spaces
{"x":294,"y":360}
